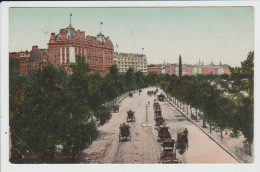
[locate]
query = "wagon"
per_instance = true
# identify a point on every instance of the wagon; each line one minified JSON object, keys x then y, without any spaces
{"x":182,"y":140}
{"x":149,"y":92}
{"x":159,"y":120}
{"x":163,"y":133}
{"x":157,"y":113}
{"x":130,"y":116}
{"x":156,"y":104}
{"x":168,"y":143}
{"x":157,"y":108}
{"x":161,"y":97}
{"x":124,"y":132}
{"x":168,"y":155}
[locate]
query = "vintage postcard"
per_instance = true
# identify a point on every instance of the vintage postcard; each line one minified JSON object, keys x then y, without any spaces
{"x":131,"y":85}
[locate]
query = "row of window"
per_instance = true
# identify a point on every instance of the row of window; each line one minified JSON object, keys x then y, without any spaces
{"x":122,"y":66}
{"x":131,"y":59}
{"x":132,"y":63}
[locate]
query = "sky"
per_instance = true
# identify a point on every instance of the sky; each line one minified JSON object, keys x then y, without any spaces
{"x":214,"y":34}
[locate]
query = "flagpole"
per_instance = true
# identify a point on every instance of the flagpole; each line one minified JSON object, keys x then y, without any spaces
{"x":100,"y":25}
{"x":70,"y":18}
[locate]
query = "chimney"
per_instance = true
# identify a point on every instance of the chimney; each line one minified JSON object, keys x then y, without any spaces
{"x":35,"y":47}
{"x":180,"y":67}
{"x":52,"y":39}
{"x":78,"y":34}
{"x":82,"y":34}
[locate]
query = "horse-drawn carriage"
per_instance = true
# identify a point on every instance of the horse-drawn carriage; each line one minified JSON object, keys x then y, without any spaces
{"x":115,"y":108}
{"x":157,"y":113}
{"x":161,"y":97}
{"x":159,"y":120}
{"x":168,"y":154}
{"x":157,"y":108}
{"x":130,"y":94}
{"x":182,"y":140}
{"x":124,"y":132}
{"x":149,"y":92}
{"x":156,"y":104}
{"x":130,"y":116}
{"x":163,"y":133}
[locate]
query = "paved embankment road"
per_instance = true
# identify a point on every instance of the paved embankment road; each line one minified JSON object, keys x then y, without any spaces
{"x":143,"y":147}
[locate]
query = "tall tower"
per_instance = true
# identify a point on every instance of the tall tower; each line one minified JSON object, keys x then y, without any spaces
{"x":180,"y":66}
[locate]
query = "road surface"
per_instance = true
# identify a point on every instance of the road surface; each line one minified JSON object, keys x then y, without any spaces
{"x":143,"y":147}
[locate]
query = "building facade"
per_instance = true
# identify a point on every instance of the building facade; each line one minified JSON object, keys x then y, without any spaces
{"x":38,"y":59}
{"x":30,"y":61}
{"x":189,"y":69}
{"x":124,"y":61}
{"x":152,"y":68}
{"x":169,"y":71}
{"x":23,"y":63}
{"x":97,"y":51}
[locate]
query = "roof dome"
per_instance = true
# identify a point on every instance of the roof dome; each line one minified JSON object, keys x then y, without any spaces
{"x":101,"y":38}
{"x":70,"y":32}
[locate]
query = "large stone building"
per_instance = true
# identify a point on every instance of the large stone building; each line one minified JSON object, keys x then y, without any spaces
{"x":124,"y":61}
{"x":69,"y":43}
{"x":23,"y":63}
{"x":30,"y":62}
{"x":152,"y":68}
{"x":38,"y":59}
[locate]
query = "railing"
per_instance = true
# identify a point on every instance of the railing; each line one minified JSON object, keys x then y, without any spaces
{"x":118,"y":99}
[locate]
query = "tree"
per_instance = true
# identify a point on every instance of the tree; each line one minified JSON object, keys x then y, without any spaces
{"x":130,"y":79}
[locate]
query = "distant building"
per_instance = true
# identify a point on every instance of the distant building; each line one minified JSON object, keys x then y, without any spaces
{"x":226,"y":70}
{"x":152,"y":68}
{"x":124,"y":61}
{"x":169,"y":71}
{"x":14,"y":55}
{"x":23,"y":63}
{"x":97,"y":51}
{"x":187,"y":69}
{"x":38,"y":59}
{"x":30,"y":62}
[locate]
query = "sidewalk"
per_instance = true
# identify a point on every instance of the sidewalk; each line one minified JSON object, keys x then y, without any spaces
{"x":234,"y":146}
